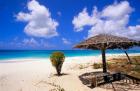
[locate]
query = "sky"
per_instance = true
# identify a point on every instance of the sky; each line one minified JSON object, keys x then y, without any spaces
{"x":60,"y":24}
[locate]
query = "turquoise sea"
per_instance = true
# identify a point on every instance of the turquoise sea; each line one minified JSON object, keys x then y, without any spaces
{"x":12,"y":54}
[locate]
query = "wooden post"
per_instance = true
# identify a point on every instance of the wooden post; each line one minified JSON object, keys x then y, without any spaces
{"x":104,"y":60}
{"x":129,"y":61}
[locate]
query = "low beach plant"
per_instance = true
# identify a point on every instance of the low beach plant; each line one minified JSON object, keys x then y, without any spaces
{"x":136,"y":68}
{"x":97,"y":65}
{"x":57,"y":59}
{"x":81,"y":66}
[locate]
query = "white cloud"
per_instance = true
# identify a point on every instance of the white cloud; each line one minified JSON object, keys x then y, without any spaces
{"x":27,"y":43}
{"x":65,"y":41}
{"x":45,"y":44}
{"x":117,"y":11}
{"x":30,"y":42}
{"x":134,"y":31}
{"x":84,"y":19}
{"x":40,"y":23}
{"x":113,"y":19}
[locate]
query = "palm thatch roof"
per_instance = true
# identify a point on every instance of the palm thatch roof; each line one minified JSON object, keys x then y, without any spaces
{"x":104,"y":41}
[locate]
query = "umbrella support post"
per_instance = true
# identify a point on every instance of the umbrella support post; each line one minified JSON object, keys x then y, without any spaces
{"x":104,"y":60}
{"x":104,"y":64}
{"x":129,"y":61}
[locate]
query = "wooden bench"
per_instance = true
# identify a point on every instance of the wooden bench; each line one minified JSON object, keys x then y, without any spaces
{"x":98,"y":79}
{"x":105,"y":78}
{"x":131,"y":79}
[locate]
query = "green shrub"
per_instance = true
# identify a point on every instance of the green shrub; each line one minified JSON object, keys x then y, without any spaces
{"x":81,"y":66}
{"x":57,"y":59}
{"x":136,"y":68}
{"x":108,"y":64}
{"x":97,"y":65}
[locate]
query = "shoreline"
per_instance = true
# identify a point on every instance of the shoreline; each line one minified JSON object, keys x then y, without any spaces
{"x":89,"y":57}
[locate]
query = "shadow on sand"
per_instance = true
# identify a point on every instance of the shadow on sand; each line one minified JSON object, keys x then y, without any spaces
{"x":62,"y":74}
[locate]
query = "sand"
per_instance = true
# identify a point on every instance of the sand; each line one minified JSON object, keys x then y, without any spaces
{"x":38,"y":74}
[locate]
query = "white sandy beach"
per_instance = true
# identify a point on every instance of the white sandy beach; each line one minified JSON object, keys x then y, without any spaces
{"x":38,"y":74}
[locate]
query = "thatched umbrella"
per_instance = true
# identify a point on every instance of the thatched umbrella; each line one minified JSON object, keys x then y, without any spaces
{"x":104,"y":41}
